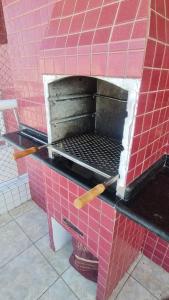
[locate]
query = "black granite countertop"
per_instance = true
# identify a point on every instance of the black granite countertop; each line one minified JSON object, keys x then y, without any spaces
{"x":149,"y":207}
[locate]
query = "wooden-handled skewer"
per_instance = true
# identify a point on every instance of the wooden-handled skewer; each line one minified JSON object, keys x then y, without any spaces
{"x":81,"y":201}
{"x":29,"y":151}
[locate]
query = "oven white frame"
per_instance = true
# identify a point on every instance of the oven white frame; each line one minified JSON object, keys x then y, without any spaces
{"x":133,"y":87}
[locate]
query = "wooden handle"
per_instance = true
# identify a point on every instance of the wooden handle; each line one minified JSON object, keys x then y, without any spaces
{"x":25,"y":152}
{"x":81,"y":201}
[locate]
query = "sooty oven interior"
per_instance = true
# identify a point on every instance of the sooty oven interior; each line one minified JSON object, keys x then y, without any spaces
{"x":86,"y":120}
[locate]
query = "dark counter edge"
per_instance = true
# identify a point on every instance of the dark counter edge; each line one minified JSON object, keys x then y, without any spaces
{"x":117,"y":203}
{"x":121,"y":208}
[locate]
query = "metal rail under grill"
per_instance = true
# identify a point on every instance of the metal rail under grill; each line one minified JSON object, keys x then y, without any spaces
{"x":97,"y":153}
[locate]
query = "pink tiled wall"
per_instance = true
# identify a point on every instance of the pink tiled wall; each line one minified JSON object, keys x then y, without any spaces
{"x":157,"y":250}
{"x":36,"y":181}
{"x":151,"y":134}
{"x":92,"y":37}
{"x":111,"y":237}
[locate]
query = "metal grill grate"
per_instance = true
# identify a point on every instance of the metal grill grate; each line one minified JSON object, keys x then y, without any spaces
{"x":98,"y":153}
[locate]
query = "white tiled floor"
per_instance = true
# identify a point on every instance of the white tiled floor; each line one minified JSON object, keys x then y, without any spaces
{"x":30,"y":270}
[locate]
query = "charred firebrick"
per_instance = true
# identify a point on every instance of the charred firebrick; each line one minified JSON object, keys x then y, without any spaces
{"x":86,"y":120}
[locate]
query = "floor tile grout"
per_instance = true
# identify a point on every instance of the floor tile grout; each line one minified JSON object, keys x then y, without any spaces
{"x":34,"y":244}
{"x":122,"y":286}
{"x":16,"y":256}
{"x":2,"y":226}
{"x":60,"y":276}
{"x":129,"y":275}
{"x":144,"y":287}
{"x":141,"y":256}
{"x":70,"y":288}
{"x":45,"y":258}
{"x":16,"y":217}
{"x":47,"y":289}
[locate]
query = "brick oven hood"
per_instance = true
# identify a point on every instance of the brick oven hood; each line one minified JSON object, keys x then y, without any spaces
{"x":97,"y":38}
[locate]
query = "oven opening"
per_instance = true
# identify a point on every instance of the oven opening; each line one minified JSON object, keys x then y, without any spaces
{"x":86,"y":120}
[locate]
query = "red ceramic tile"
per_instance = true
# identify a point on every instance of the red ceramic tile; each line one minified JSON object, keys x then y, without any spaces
{"x":163,"y":79}
{"x":138,"y":171}
{"x":105,"y":244}
{"x":133,"y":160}
{"x":86,"y":38}
{"x":166,"y":60}
{"x":143,"y":9}
{"x":59,"y":65}
{"x":153,"y":26}
{"x":127,"y":11}
{"x":151,"y":101}
{"x":48,"y":43}
{"x":159,"y":55}
{"x":94,"y":3}
{"x":167,"y":31}
{"x":159,"y":100}
{"x":57,"y":9}
{"x":76,"y":23}
{"x":138,"y":125}
{"x":91,"y":19}
{"x":71,"y":65}
{"x":68,"y":8}
{"x":107,"y":222}
{"x":108,"y":235}
{"x":84,"y":62}
{"x":160,"y":7}
{"x":95,"y":214}
{"x":96,"y":203}
{"x":149,"y":58}
{"x":142,"y":104}
{"x":107,"y":15}
{"x":73,"y":188}
{"x":155,"y":80}
{"x":155,"y":118}
{"x":99,"y":63}
{"x":72,"y":40}
{"x":81,"y":5}
{"x":135,"y":64}
{"x":49,"y":66}
{"x":99,"y":48}
{"x":130,"y":177}
{"x":143,"y":140}
{"x":140,"y":155}
{"x":108,"y":211}
{"x":64,"y":26}
{"x":116,"y":65}
{"x":94,"y":225}
{"x":147,"y":122}
{"x":140,"y":29}
{"x":118,"y":46}
{"x":146,"y":80}
{"x":102,"y":35}
{"x":161,"y":28}
{"x":122,"y":32}
{"x":136,"y":143}
{"x":60,"y":42}
{"x":167,"y":9}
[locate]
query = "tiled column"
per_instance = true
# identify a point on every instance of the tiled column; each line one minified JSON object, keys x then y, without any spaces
{"x":126,"y":243}
{"x":36,"y":181}
{"x":108,"y":235}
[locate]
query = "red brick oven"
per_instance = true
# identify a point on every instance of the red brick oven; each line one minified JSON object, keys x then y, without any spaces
{"x":124,"y":39}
